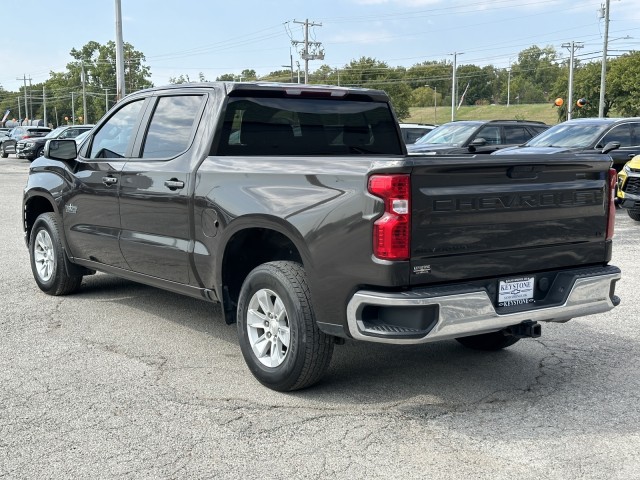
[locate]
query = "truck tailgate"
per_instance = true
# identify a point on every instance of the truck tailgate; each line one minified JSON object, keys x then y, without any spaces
{"x":475,"y":218}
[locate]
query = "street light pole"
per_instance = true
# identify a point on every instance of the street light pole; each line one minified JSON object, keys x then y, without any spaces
{"x":453,"y":85}
{"x":509,"y":84}
{"x":603,"y":70}
{"x":572,"y":50}
{"x":435,"y":104}
{"x":120,"y":85}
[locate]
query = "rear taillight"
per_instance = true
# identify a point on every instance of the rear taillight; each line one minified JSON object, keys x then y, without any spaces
{"x":391,"y":232}
{"x":26,"y":136}
{"x":613,"y":181}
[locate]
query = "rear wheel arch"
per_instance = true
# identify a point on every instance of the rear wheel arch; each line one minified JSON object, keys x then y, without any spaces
{"x":246,"y":249}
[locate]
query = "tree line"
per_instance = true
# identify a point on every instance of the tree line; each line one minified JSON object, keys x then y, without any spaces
{"x":538,"y":75}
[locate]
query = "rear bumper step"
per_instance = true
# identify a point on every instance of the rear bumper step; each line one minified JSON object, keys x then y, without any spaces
{"x":427,"y":315}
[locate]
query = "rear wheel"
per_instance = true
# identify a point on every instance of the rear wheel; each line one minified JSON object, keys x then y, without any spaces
{"x":488,"y":341}
{"x":634,"y":214}
{"x":277,"y":331}
{"x":49,"y":263}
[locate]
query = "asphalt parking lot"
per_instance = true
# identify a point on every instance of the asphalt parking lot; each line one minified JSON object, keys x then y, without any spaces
{"x":127,"y":381}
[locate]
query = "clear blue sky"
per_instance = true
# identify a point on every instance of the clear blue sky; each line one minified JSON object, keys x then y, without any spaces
{"x":214,"y":37}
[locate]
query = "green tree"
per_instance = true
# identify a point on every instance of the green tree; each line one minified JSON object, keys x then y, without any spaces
{"x":64,"y":92}
{"x":325,"y":75}
{"x":283,"y":76}
{"x":248,"y":75}
{"x":535,"y":73}
{"x":435,"y":74}
{"x":623,"y":87}
{"x":179,"y":80}
{"x":586,"y":84}
{"x":371,"y":73}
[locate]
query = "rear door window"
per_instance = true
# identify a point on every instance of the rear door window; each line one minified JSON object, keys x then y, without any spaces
{"x":171,"y":126}
{"x":516,"y":134}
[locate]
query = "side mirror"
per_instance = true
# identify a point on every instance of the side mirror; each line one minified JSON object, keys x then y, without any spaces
{"x":478,"y":142}
{"x":610,"y":146}
{"x":61,"y":150}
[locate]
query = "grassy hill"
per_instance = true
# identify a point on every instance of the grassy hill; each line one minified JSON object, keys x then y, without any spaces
{"x":543,"y":112}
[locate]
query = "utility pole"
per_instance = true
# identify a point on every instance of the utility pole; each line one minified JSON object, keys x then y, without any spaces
{"x":573,"y":46}
{"x":603,"y":70}
{"x":44,"y":106}
{"x":453,"y":85}
{"x":106,"y":100}
{"x":435,"y":104}
{"x":509,"y":84}
{"x":84,"y":96}
{"x":306,"y":55}
{"x":26,"y":108}
{"x":30,"y":101}
{"x":73,"y":109}
{"x":120,"y":88}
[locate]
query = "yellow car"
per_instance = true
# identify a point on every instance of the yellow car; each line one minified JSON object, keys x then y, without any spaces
{"x":628,"y":194}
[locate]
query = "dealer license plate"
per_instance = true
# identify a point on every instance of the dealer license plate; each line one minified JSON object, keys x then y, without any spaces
{"x":515,"y":291}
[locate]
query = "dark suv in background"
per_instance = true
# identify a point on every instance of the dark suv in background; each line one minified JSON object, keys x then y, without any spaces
{"x":8,"y":143}
{"x":618,"y":137}
{"x":476,"y":136}
{"x":31,"y":148}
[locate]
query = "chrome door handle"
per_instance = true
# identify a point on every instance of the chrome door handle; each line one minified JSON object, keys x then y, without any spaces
{"x":174,"y":184}
{"x":109,"y":180}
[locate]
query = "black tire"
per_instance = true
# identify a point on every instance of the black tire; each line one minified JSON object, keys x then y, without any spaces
{"x":39,"y":153}
{"x":634,"y":214}
{"x":49,"y":262}
{"x":306,"y":358}
{"x":488,"y":341}
{"x":3,"y":154}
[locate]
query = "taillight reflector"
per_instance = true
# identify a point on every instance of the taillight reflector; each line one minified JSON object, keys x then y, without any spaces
{"x":391,"y":232}
{"x":613,"y":181}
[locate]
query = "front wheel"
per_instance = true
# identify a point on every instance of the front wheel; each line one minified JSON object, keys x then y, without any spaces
{"x":49,"y":263}
{"x":3,"y":154}
{"x":277,"y":331}
{"x":634,"y":214}
{"x":488,"y":341}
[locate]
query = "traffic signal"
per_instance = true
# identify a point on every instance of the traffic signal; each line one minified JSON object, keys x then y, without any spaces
{"x":581,"y":102}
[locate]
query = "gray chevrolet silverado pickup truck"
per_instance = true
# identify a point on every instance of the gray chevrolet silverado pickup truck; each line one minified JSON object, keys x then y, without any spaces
{"x":298,"y":209}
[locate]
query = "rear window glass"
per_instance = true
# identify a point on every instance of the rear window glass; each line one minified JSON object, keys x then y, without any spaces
{"x":37,"y":133}
{"x":302,"y":126}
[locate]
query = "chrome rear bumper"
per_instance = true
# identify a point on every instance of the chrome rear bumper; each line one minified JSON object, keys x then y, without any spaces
{"x":472,"y":312}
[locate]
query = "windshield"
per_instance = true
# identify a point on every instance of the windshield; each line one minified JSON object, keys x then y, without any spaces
{"x":454,"y":134}
{"x":54,"y":133}
{"x":568,"y":135}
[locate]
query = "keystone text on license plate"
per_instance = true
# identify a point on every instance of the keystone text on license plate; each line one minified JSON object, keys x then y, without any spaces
{"x":515,"y":291}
